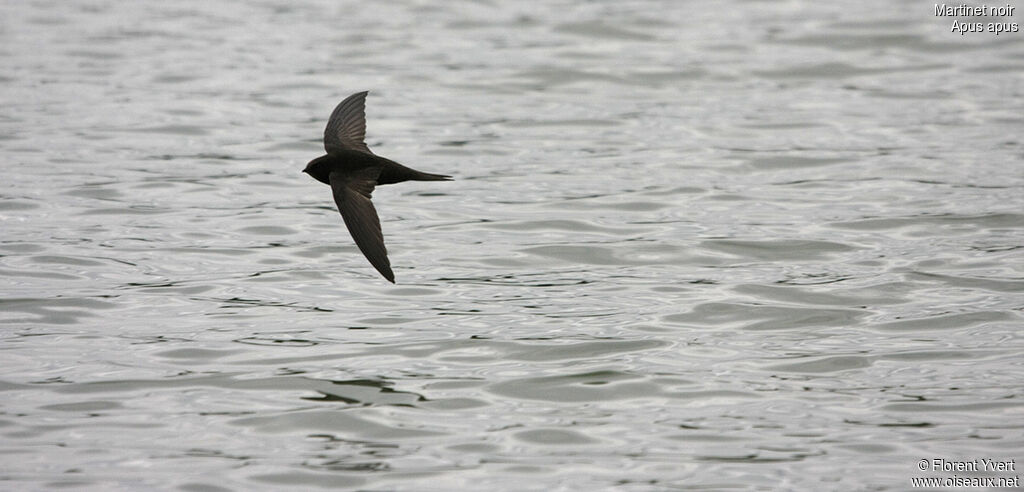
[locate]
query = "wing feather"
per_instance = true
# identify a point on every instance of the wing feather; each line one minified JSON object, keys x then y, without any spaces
{"x":352,"y":193}
{"x":346,"y":128}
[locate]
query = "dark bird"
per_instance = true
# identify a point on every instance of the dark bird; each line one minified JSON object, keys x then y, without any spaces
{"x":353,"y":172}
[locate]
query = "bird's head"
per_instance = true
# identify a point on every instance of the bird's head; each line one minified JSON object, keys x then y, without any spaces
{"x":319,"y":170}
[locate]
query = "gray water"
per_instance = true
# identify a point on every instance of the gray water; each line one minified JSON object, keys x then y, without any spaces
{"x":727,"y":246}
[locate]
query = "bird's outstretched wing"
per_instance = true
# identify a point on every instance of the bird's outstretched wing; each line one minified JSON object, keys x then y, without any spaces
{"x":346,"y":129}
{"x":352,"y":193}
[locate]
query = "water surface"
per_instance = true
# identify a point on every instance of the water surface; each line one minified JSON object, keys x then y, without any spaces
{"x":755,"y":246}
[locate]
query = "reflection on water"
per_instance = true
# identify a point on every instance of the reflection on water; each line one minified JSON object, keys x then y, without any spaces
{"x":771,"y":246}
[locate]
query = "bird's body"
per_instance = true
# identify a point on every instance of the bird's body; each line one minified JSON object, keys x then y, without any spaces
{"x":353,"y":171}
{"x":391,"y":172}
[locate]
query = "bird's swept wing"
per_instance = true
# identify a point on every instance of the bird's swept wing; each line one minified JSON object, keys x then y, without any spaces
{"x":352,"y":192}
{"x":346,"y":129}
